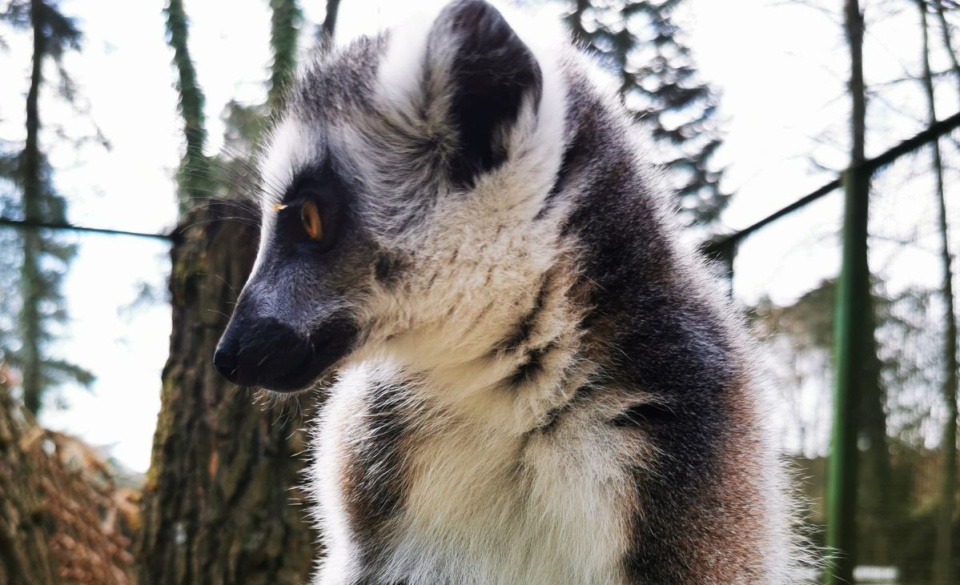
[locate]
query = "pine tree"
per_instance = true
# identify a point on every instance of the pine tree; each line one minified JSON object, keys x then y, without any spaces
{"x":44,"y":256}
{"x":234,"y":169}
{"x":194,"y":179}
{"x":643,"y":45}
{"x":284,"y":34}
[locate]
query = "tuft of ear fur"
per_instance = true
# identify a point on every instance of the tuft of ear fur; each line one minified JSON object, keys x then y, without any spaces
{"x":491,"y":74}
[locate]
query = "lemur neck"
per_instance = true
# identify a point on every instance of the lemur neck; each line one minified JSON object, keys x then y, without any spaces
{"x":532,"y":363}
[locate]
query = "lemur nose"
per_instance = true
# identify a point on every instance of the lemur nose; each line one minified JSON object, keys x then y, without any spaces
{"x":226,"y":363}
{"x":266,"y":353}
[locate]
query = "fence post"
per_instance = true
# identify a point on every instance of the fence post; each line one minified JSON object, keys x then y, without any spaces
{"x":850,"y":347}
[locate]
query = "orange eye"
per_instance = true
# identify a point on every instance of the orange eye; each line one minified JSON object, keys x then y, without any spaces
{"x":310,"y":216}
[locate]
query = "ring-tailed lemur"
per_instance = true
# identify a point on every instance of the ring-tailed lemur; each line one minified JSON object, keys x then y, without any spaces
{"x":535,"y":383}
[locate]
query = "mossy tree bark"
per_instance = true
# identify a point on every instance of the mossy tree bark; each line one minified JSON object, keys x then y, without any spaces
{"x":221,"y":501}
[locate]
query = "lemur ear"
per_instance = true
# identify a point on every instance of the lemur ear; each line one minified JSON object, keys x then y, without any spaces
{"x":490,"y":73}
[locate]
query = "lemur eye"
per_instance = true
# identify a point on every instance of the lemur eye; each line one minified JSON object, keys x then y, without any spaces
{"x":310,"y":217}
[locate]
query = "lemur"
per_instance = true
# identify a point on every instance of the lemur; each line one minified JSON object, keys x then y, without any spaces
{"x":534,"y":381}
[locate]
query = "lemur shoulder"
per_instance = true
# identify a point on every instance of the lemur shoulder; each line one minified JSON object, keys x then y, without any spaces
{"x":535,"y":382}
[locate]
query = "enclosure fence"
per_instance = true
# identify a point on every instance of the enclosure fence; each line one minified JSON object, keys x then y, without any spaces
{"x":848,"y":290}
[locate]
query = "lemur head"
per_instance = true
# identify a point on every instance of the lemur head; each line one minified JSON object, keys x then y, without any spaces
{"x":403,"y":202}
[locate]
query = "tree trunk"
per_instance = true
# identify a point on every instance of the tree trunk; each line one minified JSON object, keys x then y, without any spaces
{"x":220,"y":504}
{"x":944,"y":572}
{"x":32,"y":248}
{"x":874,"y":506}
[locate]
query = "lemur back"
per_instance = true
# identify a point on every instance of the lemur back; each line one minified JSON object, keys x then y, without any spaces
{"x":534,"y":382}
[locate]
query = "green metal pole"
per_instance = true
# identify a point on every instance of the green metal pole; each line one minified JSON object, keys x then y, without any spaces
{"x":850,"y":347}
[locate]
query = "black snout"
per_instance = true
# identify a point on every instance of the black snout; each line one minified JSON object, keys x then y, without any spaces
{"x":267,"y":353}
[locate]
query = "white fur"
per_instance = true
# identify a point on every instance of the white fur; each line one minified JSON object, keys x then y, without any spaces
{"x":290,"y":149}
{"x":402,"y":68}
{"x":487,"y":501}
{"x":470,"y":515}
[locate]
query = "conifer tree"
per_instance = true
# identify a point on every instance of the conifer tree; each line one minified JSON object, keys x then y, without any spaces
{"x":284,"y":34}
{"x":43,"y":256}
{"x":643,"y":45}
{"x":194,"y":179}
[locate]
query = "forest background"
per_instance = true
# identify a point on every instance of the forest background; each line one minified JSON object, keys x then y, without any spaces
{"x":749,"y":105}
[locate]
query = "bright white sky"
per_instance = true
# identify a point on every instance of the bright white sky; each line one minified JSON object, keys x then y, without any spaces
{"x":780,"y":67}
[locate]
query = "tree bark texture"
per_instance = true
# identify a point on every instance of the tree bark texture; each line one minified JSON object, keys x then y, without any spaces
{"x":62,"y":519}
{"x":221,"y":502}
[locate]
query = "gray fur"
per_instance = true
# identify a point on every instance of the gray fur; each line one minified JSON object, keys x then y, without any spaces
{"x":540,"y":384}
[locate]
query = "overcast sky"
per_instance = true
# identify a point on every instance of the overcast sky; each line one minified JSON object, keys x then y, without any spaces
{"x":779,"y":65}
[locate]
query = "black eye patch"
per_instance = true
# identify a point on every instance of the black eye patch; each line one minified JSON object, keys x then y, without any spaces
{"x":312,"y":211}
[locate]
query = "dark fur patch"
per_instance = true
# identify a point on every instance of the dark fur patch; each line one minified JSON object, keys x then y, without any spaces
{"x":555,"y":414}
{"x":532,"y":367}
{"x":645,"y":415}
{"x":581,"y":396}
{"x":524,"y":328}
{"x":570,"y":154}
{"x":387,"y":268}
{"x":676,"y":346}
{"x":373,"y":480}
{"x":493,"y":72}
